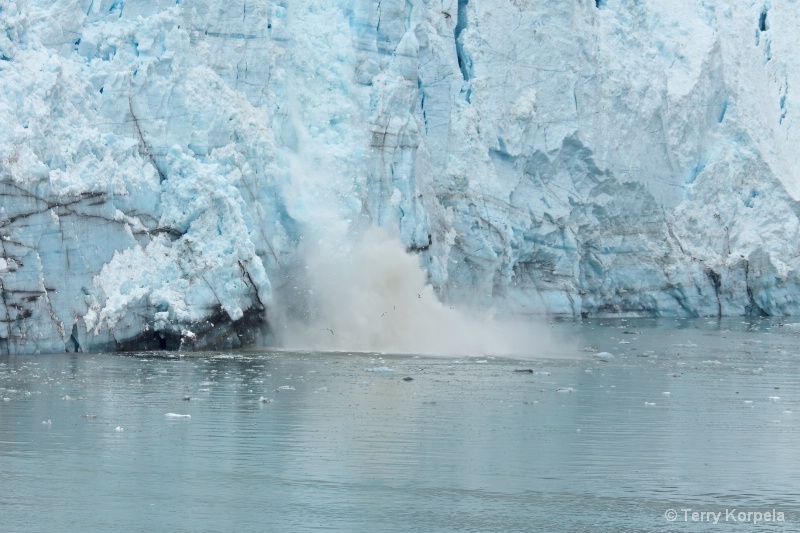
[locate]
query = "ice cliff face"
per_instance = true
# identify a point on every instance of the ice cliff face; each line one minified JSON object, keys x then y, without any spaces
{"x":162,"y":163}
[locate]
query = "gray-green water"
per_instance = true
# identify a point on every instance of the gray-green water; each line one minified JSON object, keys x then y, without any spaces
{"x":467,"y":445}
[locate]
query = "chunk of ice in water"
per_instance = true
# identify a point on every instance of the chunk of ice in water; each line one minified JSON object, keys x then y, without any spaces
{"x":177,"y":415}
{"x":379,"y":369}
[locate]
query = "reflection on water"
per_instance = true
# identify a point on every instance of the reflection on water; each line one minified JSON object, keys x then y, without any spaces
{"x":687,"y":414}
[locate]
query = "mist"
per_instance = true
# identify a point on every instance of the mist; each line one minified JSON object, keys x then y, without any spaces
{"x":370,"y":295}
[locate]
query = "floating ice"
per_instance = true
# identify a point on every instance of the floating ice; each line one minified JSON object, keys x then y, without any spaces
{"x":176,"y":415}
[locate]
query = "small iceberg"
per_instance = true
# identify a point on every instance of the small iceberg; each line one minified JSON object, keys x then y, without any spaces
{"x":565,"y":389}
{"x":379,"y":369}
{"x":176,"y":415}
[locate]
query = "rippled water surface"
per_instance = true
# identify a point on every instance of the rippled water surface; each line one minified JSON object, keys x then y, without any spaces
{"x":699,"y":415}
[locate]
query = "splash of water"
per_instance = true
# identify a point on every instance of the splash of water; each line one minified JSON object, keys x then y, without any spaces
{"x":372,"y":296}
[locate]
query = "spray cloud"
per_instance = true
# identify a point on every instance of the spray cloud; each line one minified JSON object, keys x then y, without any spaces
{"x":369,"y":295}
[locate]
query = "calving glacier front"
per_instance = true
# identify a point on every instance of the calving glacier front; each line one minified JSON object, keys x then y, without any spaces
{"x":168,"y":166}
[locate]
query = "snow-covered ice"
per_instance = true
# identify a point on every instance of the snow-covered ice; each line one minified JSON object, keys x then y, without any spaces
{"x":167,"y":167}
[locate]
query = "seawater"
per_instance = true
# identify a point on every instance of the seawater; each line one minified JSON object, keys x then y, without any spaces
{"x":689,"y":415}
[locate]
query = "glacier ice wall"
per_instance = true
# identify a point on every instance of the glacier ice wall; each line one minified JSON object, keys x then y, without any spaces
{"x":163,"y":162}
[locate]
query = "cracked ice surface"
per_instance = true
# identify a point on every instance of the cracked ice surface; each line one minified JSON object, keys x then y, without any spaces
{"x":161,"y":161}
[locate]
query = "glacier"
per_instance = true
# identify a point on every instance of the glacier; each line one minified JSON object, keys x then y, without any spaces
{"x":166,"y":165}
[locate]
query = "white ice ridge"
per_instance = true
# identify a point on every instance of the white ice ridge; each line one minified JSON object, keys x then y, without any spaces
{"x":165,"y":166}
